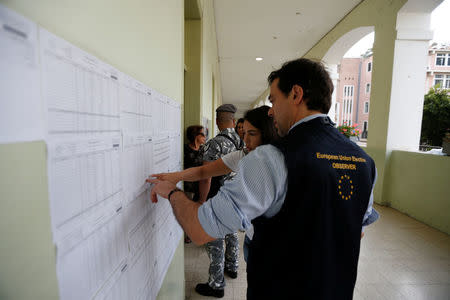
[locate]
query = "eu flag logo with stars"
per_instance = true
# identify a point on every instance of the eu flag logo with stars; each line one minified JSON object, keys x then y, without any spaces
{"x":345,"y":187}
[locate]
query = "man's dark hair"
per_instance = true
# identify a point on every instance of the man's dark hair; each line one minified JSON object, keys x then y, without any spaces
{"x":260,"y":119}
{"x":224,"y":116}
{"x":192,"y":132}
{"x":311,"y":76}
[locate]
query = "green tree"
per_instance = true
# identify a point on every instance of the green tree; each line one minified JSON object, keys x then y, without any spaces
{"x":436,"y":116}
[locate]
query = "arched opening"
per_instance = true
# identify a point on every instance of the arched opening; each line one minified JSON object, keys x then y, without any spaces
{"x":350,"y":62}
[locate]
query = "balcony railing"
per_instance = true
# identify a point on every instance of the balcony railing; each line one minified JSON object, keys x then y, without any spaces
{"x":428,"y":147}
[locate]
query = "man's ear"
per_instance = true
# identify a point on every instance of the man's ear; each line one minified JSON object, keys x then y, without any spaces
{"x":297,"y":93}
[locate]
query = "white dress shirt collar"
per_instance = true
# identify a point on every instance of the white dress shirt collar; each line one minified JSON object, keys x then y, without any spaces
{"x":306,"y":119}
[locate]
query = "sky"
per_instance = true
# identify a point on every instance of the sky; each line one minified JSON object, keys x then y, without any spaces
{"x":440,"y":24}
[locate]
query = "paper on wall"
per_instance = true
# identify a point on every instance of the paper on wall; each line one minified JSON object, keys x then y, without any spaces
{"x":20,"y":99}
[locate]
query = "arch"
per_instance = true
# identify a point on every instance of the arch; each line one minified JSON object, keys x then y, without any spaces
{"x":334,"y":55}
{"x":344,"y":43}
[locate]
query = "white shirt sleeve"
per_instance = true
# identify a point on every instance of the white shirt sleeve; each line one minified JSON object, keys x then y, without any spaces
{"x":231,"y":160}
{"x":371,"y":215}
{"x":259,"y":188}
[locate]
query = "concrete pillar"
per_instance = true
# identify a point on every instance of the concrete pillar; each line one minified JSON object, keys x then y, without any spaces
{"x":408,"y":79}
{"x":332,"y":70}
{"x":192,"y":73}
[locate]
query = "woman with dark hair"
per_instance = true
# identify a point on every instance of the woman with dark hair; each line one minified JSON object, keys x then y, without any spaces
{"x":258,"y":130}
{"x":240,"y":128}
{"x":259,"y":119}
{"x":193,"y":156}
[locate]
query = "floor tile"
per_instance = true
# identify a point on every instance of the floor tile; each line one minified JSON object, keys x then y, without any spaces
{"x":400,"y":258}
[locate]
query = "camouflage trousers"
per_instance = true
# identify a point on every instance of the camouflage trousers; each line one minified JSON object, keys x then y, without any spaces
{"x":221,"y":256}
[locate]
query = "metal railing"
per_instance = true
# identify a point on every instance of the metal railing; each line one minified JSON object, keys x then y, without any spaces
{"x":428,"y":147}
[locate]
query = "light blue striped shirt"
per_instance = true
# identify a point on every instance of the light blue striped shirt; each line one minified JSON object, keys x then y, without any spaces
{"x":259,"y":188}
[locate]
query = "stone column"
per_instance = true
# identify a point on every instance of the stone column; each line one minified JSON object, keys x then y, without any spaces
{"x":408,"y":81}
{"x":332,"y":69}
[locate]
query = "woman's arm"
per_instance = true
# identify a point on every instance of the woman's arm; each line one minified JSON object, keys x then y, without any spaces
{"x":212,"y":169}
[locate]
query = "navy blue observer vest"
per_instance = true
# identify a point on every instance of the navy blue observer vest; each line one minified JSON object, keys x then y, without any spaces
{"x":310,"y":249}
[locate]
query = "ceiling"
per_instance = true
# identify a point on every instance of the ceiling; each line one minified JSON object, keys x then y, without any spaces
{"x":277,"y":31}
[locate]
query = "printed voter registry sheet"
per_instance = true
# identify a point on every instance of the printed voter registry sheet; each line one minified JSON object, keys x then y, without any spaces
{"x":80,"y":92}
{"x":20,"y":98}
{"x":106,"y":133}
{"x":87,"y":213}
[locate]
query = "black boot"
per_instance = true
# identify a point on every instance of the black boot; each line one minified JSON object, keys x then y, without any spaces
{"x":231,"y":274}
{"x":205,"y":290}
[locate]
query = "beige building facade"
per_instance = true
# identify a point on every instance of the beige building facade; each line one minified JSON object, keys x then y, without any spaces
{"x":438,"y":69}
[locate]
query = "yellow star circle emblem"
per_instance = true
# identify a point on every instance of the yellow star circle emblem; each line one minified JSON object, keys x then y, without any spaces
{"x":345,"y":187}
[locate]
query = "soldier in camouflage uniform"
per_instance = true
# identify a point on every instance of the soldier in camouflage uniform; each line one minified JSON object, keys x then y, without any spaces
{"x":222,"y":259}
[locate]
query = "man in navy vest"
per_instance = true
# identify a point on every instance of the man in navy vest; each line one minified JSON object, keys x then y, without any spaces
{"x":307,"y":196}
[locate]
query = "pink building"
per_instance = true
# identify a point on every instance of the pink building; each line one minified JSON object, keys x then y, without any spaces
{"x":353,"y":92}
{"x":438,"y":69}
{"x":354,"y":84}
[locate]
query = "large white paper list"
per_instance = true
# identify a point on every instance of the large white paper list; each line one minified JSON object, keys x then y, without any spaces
{"x":136,"y":107}
{"x":137,"y":163}
{"x":81,"y":92}
{"x":86,"y":208}
{"x":105,"y":133}
{"x":20,"y":102}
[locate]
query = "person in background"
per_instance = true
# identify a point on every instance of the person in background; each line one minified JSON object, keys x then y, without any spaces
{"x":223,"y":259}
{"x":193,"y":158}
{"x":240,"y":128}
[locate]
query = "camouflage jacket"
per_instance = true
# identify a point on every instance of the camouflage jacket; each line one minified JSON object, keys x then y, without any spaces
{"x":225,"y":142}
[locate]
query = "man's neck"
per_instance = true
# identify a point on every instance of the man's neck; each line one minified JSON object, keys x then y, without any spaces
{"x":224,"y":127}
{"x":303,"y":114}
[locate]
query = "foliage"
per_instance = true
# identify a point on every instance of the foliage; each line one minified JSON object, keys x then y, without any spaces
{"x":436,"y":116}
{"x":348,"y":130}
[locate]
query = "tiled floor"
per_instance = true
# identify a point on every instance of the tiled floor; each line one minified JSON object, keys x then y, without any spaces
{"x":400,"y":258}
{"x":196,"y":264}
